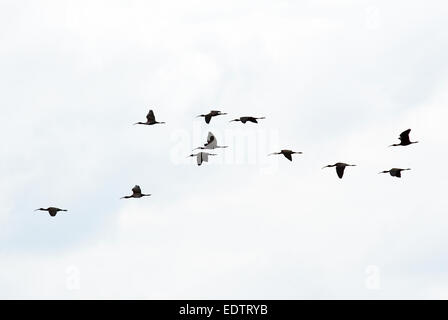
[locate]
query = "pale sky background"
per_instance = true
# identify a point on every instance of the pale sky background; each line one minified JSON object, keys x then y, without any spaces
{"x":338,"y":81}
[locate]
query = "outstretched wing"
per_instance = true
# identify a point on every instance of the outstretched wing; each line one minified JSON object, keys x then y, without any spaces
{"x":251,"y":119}
{"x":208,"y":118}
{"x":211,"y":141}
{"x":404,"y":136}
{"x":199,"y":158}
{"x":137,"y":190}
{"x":340,"y":171}
{"x":288,"y":156}
{"x":151,"y":118}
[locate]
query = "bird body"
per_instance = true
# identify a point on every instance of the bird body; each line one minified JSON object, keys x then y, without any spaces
{"x":208,"y":117}
{"x":404,"y":139}
{"x":202,"y":157}
{"x":212,"y":143}
{"x":287,"y":153}
{"x":247,"y":119}
{"x":150,"y":119}
{"x":51,"y":210}
{"x":395,"y":172}
{"x":340,"y":168}
{"x":136,"y":193}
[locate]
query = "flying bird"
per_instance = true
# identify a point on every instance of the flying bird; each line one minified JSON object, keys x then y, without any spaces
{"x":340,"y":168}
{"x":247,"y":119}
{"x":287,"y":153}
{"x":150,"y":119}
{"x":212,"y":143}
{"x":136,"y":193}
{"x":51,"y":210}
{"x":211,"y":114}
{"x":201,"y":157}
{"x":394,"y":172}
{"x":404,"y":139}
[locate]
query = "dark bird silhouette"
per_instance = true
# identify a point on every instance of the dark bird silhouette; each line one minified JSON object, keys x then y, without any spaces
{"x":287,"y":153}
{"x":394,"y":172}
{"x":212,"y":143}
{"x":404,"y":139}
{"x":201,"y":157}
{"x":208,"y":117}
{"x":51,"y":210}
{"x":340,"y":168}
{"x":136,"y":193}
{"x":247,"y":119}
{"x":150,"y":119}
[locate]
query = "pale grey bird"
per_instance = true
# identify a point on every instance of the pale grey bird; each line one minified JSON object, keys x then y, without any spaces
{"x":287,"y":153}
{"x":394,"y":172}
{"x":208,"y":117}
{"x":212,"y":143}
{"x":136,"y":193}
{"x":340,"y":168}
{"x":201,"y":157}
{"x":150,"y":119}
{"x":51,"y":210}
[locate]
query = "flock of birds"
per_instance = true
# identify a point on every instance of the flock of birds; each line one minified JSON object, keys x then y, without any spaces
{"x":212,"y":143}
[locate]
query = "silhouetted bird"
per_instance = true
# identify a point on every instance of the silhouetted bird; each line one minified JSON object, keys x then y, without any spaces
{"x":201,"y":157}
{"x":340,"y":168}
{"x":404,"y":139}
{"x":51,"y":210}
{"x":394,"y":172}
{"x":287,"y":153}
{"x":136,"y":193}
{"x":210,"y":115}
{"x":212,"y":143}
{"x":151,"y":119}
{"x":247,"y":119}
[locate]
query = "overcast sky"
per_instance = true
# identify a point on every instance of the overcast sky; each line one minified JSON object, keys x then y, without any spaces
{"x":337,"y":80}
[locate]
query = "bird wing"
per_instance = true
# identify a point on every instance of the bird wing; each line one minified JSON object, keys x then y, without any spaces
{"x":136,"y":190}
{"x":288,"y":156}
{"x":398,"y":173}
{"x":340,"y":171}
{"x":211,"y":141}
{"x":404,"y":136}
{"x":199,"y":158}
{"x":251,"y":119}
{"x":208,"y":118}
{"x":150,"y":116}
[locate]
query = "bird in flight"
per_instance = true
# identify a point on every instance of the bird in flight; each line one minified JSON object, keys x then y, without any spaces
{"x":136,"y":193}
{"x":394,"y":172}
{"x":287,"y":153}
{"x":150,"y":119}
{"x":212,"y":143}
{"x":51,"y":210}
{"x":404,"y":139}
{"x":201,"y":157}
{"x":247,"y":119}
{"x":340,"y":168}
{"x":208,"y":117}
